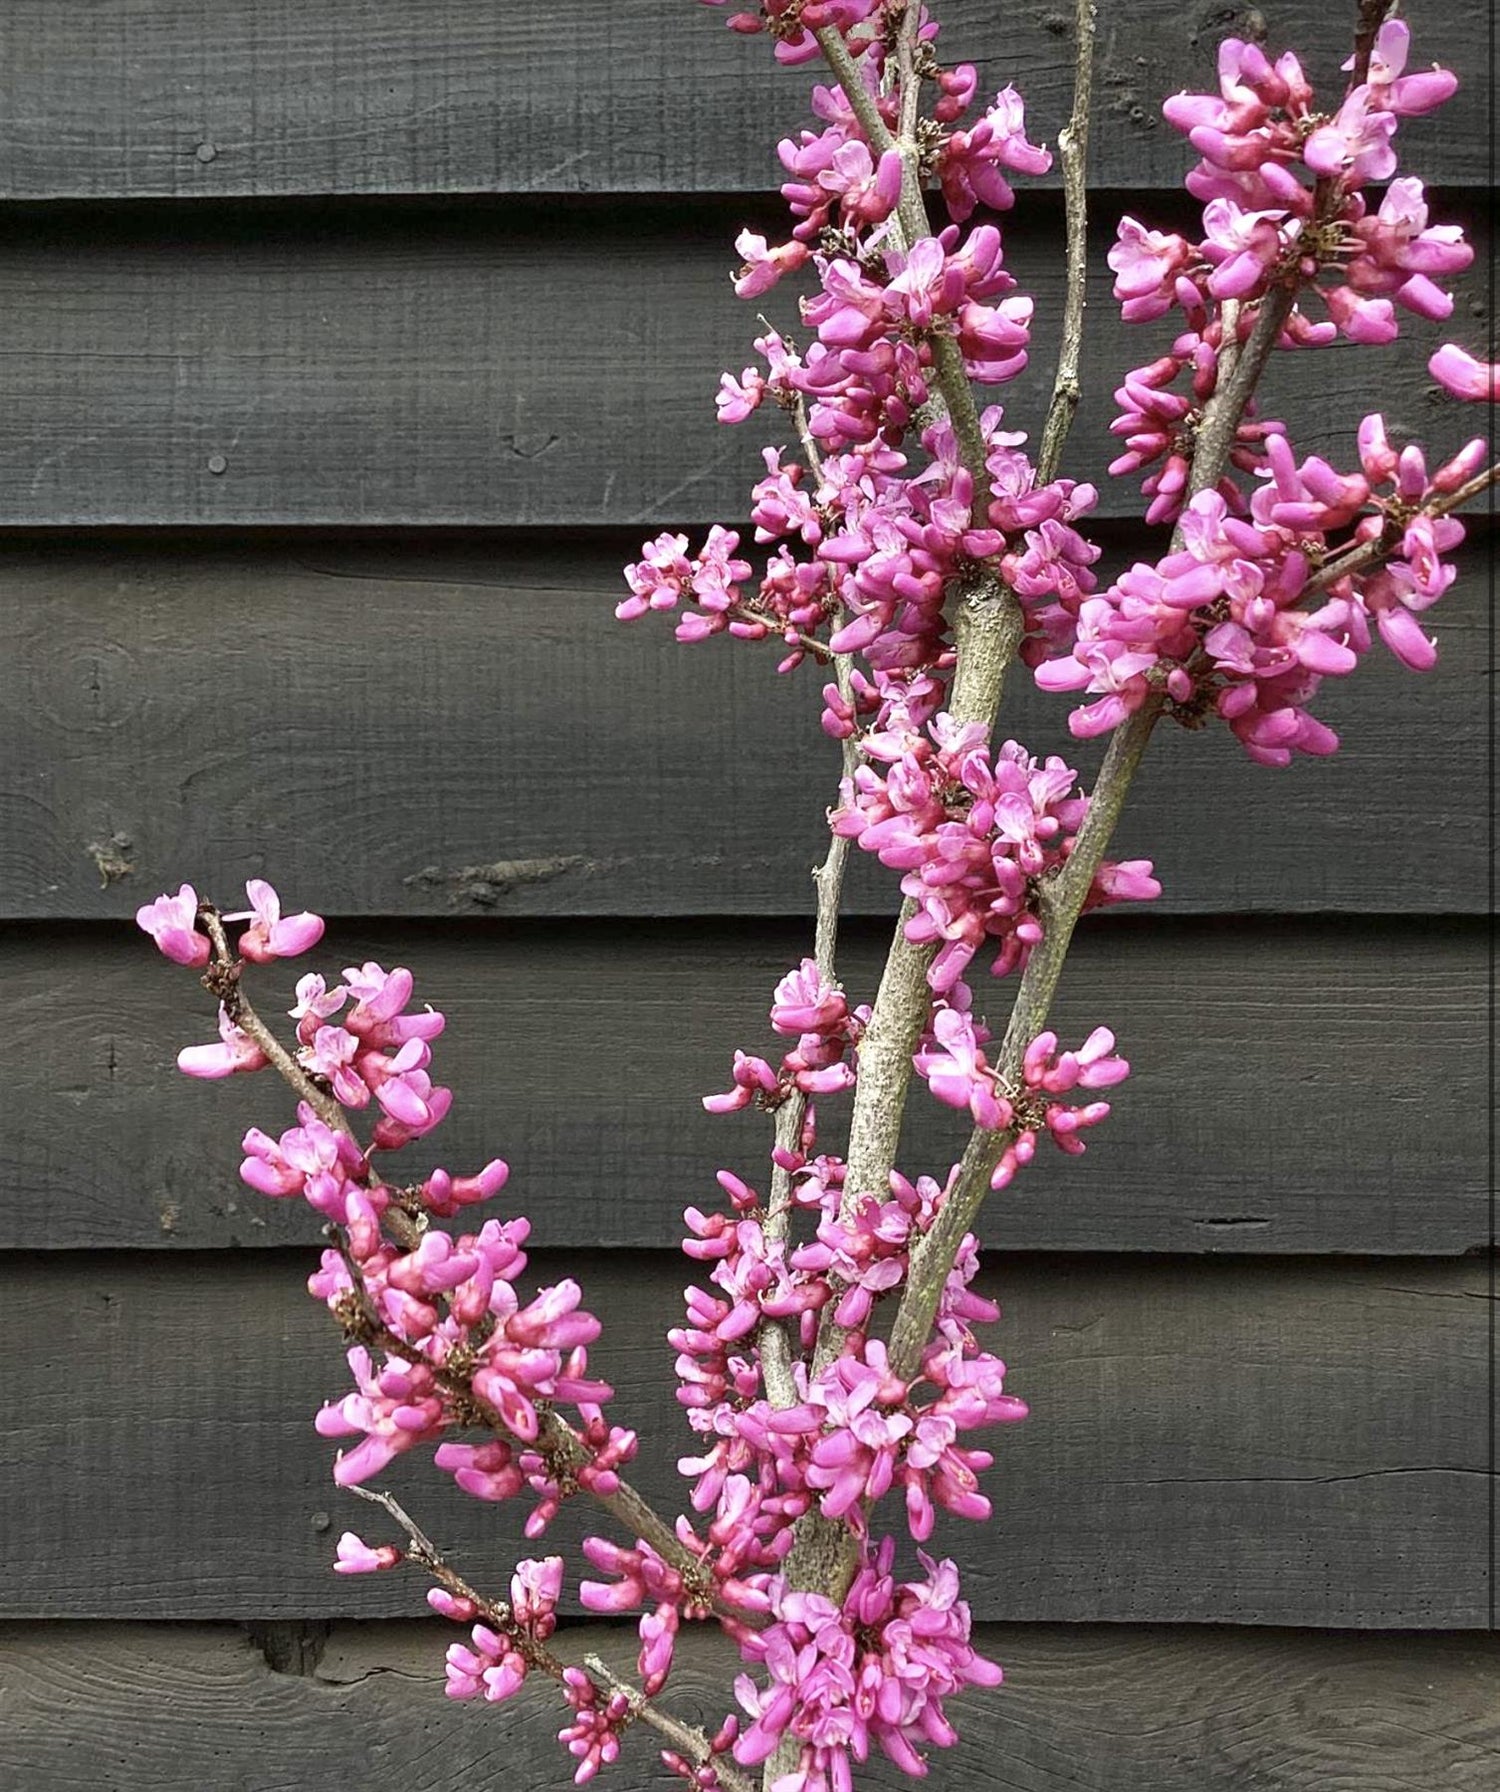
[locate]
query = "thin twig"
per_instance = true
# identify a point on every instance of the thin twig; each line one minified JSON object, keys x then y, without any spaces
{"x":426,"y":1554}
{"x":499,"y":1616}
{"x":1379,"y":547}
{"x":1072,"y":150}
{"x":911,"y":101}
{"x":773,"y":1338}
{"x":1225,"y":410}
{"x":687,"y":1740}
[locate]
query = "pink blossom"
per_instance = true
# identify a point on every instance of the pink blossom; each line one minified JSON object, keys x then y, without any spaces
{"x":172,"y":921}
{"x":1407,"y":95}
{"x":395,"y":1408}
{"x":271,"y":935}
{"x":494,"y":1668}
{"x":534,"y":1590}
{"x":969,"y":161}
{"x":236,"y":1051}
{"x":806,"y":1002}
{"x":763,"y":265}
{"x":1459,"y":373}
{"x":310,"y":1158}
{"x":1146,"y":264}
{"x":956,"y":1071}
{"x":593,"y":1737}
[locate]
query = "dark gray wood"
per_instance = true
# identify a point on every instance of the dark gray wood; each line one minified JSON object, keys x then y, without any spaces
{"x":1316,"y":1089}
{"x":477,"y":365}
{"x":1289,"y":1443}
{"x":171,"y":1708}
{"x":132,"y":97}
{"x":428,"y":728}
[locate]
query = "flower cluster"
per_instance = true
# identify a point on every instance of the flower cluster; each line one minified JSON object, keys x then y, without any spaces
{"x":1283,"y":186}
{"x":953,"y":1063}
{"x":1265,"y":593}
{"x":808,"y":1005}
{"x":1252,"y":612}
{"x":976,"y":834}
{"x":875,"y":1669}
{"x":1284,"y":207}
{"x":872,"y":541}
{"x":497,"y":1664}
{"x":855,"y":1429}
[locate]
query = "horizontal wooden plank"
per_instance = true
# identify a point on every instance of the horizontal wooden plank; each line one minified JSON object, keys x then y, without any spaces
{"x":1211,"y":1442}
{"x":476,"y":364}
{"x":393,"y":726}
{"x":132,"y":97}
{"x":1294,"y":1090}
{"x":158,"y":1708}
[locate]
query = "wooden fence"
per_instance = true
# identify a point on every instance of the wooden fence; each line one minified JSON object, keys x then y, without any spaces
{"x":349,"y":348}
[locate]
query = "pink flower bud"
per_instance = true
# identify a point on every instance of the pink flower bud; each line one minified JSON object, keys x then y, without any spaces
{"x":357,"y":1557}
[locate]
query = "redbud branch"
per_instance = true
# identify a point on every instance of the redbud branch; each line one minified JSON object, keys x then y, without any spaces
{"x":563,"y":1449}
{"x":1063,"y":903}
{"x":1241,"y":367}
{"x":1072,"y":150}
{"x":497,"y":1614}
{"x":1239,"y":376}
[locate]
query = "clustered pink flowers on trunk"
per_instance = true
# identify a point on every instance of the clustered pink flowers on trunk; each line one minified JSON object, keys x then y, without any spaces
{"x":832,"y":1356}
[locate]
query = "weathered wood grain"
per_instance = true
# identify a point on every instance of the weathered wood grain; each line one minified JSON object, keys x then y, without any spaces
{"x":1286,"y":1443}
{"x":159,"y":1708}
{"x":475,"y":364}
{"x":133,"y":97}
{"x":1316,"y":1089}
{"x":423,"y":727}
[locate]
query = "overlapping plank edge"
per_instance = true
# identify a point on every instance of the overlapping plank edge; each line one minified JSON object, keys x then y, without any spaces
{"x":1255,"y":1442}
{"x":569,"y":95}
{"x":483,"y":363}
{"x":1307,"y":1089}
{"x":442,"y":725}
{"x":171,"y":1708}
